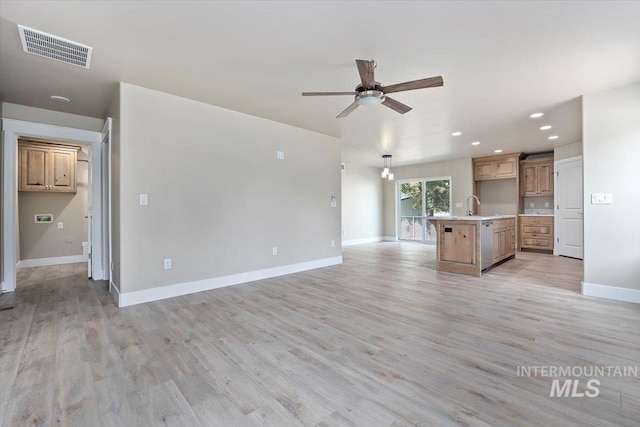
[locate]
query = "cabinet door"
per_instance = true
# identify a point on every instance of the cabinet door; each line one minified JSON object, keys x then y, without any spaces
{"x":458,"y":243}
{"x":529,"y":180}
{"x":62,"y":170}
{"x":33,"y":169}
{"x":484,"y":171}
{"x":545,"y":179}
{"x":505,"y":168}
{"x":511,"y":241}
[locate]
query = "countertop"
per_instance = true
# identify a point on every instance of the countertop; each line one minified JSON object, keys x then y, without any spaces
{"x":535,"y":214}
{"x":469,"y":217}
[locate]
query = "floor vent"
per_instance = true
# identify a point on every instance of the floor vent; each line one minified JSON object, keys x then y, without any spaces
{"x":54,"y":47}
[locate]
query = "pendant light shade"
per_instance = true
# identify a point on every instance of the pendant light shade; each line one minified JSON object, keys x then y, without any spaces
{"x":386,"y":169}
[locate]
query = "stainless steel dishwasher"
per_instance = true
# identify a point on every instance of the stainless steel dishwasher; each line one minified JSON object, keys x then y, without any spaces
{"x":486,"y":244}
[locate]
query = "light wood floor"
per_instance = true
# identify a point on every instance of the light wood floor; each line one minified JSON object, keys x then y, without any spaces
{"x":382,"y":340}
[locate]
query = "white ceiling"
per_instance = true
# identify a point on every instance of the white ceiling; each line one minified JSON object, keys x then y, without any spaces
{"x":500,"y":61}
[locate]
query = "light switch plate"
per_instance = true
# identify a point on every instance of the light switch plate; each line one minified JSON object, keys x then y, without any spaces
{"x":60,"y":226}
{"x":274,"y":250}
{"x":601,"y":198}
{"x":167,"y":264}
{"x":458,"y":204}
{"x":144,"y":199}
{"x":333,"y":202}
{"x":280,"y":155}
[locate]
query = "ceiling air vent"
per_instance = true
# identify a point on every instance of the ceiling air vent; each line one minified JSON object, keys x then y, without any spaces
{"x":54,"y":47}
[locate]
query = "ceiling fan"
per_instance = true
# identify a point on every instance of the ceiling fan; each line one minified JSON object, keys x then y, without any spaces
{"x":371,"y":92}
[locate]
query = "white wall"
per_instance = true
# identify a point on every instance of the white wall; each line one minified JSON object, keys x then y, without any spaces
{"x":460,"y":171}
{"x":567,"y":151}
{"x":219,"y":200}
{"x":114,"y":113}
{"x":362,"y":204}
{"x":611,"y":165}
{"x":49,"y":117}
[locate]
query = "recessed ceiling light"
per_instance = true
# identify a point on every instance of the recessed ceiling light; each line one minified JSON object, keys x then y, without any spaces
{"x":545,"y":127}
{"x":59,"y":98}
{"x":497,"y":151}
{"x":553,"y":137}
{"x":475,"y":143}
{"x":536,"y":115}
{"x":456,"y":134}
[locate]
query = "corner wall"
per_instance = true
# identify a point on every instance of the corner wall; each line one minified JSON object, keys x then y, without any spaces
{"x":218,"y":198}
{"x":362,"y":204}
{"x":611,"y":121}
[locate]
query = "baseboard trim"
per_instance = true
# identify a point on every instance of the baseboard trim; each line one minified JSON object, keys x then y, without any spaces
{"x":114,"y":291}
{"x":41,"y":262}
{"x":389,"y":239}
{"x":362,"y":241}
{"x":611,"y":292}
{"x":169,"y":291}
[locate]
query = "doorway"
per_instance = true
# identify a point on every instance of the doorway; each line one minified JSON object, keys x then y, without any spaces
{"x":12,"y":130}
{"x":53,"y":196}
{"x":569,"y":218}
{"x":419,"y":199}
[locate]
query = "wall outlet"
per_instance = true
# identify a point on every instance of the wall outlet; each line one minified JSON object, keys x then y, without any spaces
{"x":280,"y":155}
{"x":144,"y":199}
{"x":532,"y":205}
{"x":333,"y":243}
{"x":60,"y":226}
{"x":167,"y":263}
{"x":546,"y":204}
{"x":274,"y":250}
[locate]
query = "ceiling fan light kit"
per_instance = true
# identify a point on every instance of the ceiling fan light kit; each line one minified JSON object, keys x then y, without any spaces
{"x":370,"y":92}
{"x":370,"y":98}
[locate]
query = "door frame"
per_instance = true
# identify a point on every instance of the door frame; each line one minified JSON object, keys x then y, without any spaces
{"x":555,"y":202}
{"x":11,"y":131}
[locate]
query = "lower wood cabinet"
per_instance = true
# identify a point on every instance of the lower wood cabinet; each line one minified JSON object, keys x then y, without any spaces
{"x":536,"y":232}
{"x":504,"y":238}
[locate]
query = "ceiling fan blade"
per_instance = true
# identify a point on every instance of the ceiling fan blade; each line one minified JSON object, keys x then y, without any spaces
{"x":396,"y":106}
{"x":416,"y":84}
{"x":365,"y":68}
{"x":349,"y":109}
{"x":326,"y":93}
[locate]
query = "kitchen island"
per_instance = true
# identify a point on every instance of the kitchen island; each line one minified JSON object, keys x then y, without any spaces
{"x":472,"y":244}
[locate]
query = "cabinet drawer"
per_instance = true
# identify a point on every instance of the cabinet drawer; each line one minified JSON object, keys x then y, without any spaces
{"x":499,"y":224}
{"x":535,"y":230}
{"x":535,"y":242}
{"x":529,"y":220}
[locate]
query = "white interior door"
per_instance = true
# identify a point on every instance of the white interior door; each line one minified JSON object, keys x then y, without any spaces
{"x":569,"y":208}
{"x":89,"y":216}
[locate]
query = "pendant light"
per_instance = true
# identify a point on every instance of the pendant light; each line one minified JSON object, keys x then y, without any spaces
{"x":386,"y":169}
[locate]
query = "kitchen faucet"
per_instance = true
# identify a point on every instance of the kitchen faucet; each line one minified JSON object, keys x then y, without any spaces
{"x":469,"y":209}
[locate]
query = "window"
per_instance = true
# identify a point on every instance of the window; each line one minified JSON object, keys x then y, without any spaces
{"x":419,"y":199}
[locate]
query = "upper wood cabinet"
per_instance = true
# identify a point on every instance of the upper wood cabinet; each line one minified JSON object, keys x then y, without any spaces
{"x":495,"y":167}
{"x":537,"y":177}
{"x":47,"y":167}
